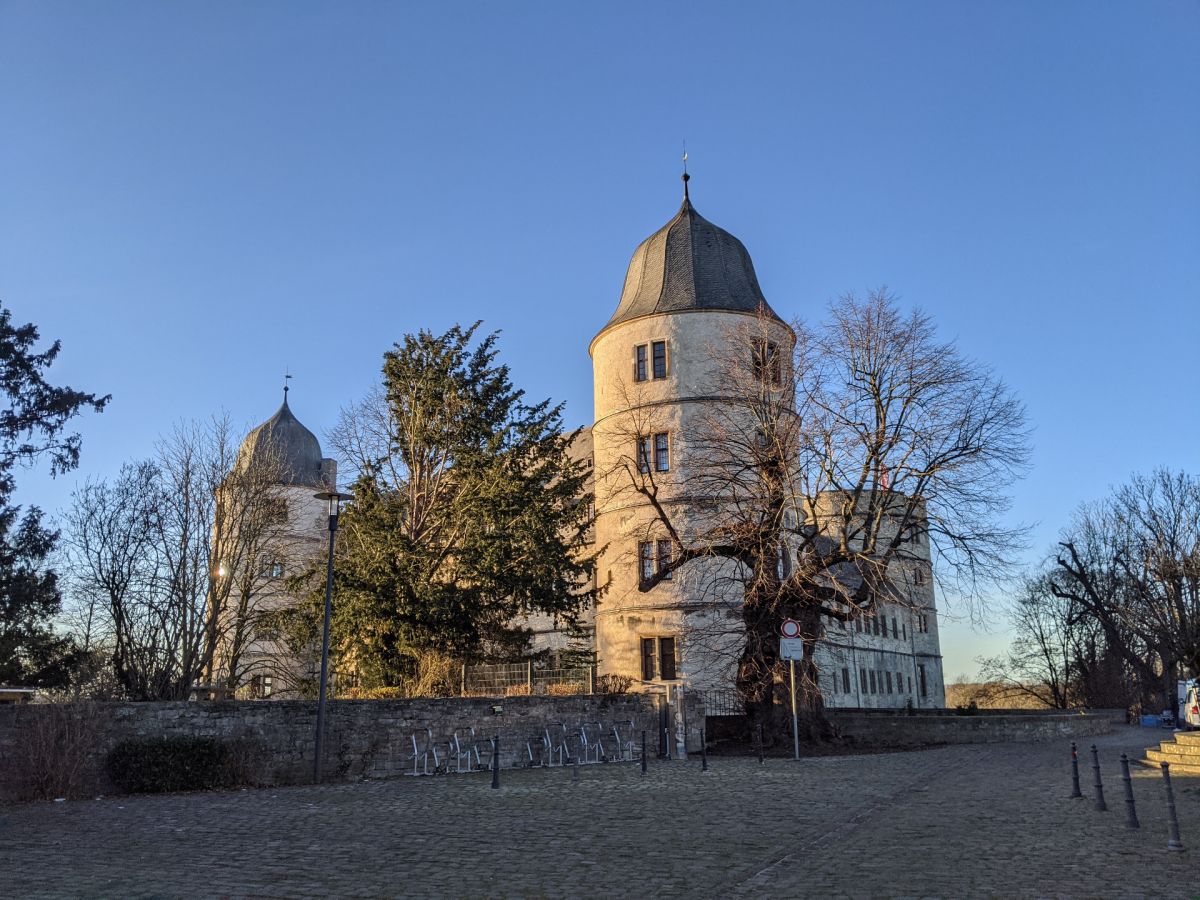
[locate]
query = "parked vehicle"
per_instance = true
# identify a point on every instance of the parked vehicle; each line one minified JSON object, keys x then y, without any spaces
{"x":1189,"y":704}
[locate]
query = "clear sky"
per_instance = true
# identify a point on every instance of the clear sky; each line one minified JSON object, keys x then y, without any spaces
{"x":195,"y":197}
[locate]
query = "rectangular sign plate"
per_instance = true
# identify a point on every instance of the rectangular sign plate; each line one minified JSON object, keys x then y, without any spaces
{"x":791,"y":648}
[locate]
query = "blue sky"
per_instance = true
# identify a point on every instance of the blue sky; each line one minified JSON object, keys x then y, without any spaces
{"x":194,"y":197}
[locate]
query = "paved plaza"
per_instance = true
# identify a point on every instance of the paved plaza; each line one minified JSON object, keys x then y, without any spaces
{"x":963,"y":821}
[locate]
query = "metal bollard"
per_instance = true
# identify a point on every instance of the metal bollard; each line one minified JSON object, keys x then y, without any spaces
{"x":643,"y":754}
{"x":1173,"y":842}
{"x":1075,"y":791}
{"x":1100,"y":804}
{"x":574,"y":768}
{"x":1129,"y":806}
{"x":760,"y":745}
{"x":496,"y":762}
{"x":703,"y":752}
{"x":667,"y":743}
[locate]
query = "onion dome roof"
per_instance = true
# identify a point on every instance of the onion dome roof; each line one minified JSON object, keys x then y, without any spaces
{"x":689,"y":264}
{"x":284,"y":442}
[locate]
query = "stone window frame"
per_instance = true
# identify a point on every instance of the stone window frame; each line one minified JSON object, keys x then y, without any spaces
{"x":653,"y":664}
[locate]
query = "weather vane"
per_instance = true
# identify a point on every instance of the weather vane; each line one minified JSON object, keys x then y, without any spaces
{"x":286,"y":378}
{"x":686,"y":176}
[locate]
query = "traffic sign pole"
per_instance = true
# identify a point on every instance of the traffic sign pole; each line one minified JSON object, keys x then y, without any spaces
{"x":795,"y":721}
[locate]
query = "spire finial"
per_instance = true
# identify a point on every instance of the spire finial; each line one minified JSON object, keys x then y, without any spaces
{"x":686,"y":176}
{"x":286,"y":378}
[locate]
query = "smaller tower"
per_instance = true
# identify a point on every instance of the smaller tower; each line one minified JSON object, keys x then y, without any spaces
{"x":278,"y":470}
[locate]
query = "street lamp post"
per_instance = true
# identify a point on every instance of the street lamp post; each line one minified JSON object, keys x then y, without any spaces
{"x":335,"y":500}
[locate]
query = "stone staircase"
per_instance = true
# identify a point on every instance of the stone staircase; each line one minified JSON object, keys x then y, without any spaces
{"x":1182,"y":752}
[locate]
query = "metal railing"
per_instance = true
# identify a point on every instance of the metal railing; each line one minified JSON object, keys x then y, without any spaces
{"x":524,"y":679}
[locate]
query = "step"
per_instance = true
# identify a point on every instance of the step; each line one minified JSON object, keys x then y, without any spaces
{"x":1180,"y":759}
{"x":1180,"y":749}
{"x":1176,"y":768}
{"x":1191,"y":738}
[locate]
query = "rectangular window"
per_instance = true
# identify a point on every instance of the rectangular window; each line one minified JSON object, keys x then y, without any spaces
{"x":666,"y":658}
{"x":921,"y":677}
{"x":643,"y":455}
{"x":664,"y":557}
{"x":895,"y":630}
{"x":834,"y":681}
{"x":662,"y":455}
{"x":899,"y":683}
{"x":658,"y":350}
{"x":862,"y":678}
{"x":648,"y":659}
{"x":858,"y":625}
{"x":646,"y":560}
{"x":904,"y":631}
{"x":888,"y":675}
{"x":922,"y":623}
{"x":846,"y":680}
{"x":639,"y":362}
{"x":918,"y":577}
{"x":767,"y":365}
{"x":874,"y":624}
{"x":271,"y":568}
{"x":872,"y":674}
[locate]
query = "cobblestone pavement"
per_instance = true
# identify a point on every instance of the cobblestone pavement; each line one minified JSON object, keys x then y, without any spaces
{"x":963,"y":821}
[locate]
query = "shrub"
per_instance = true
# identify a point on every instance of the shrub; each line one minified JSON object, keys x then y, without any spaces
{"x":613,"y":684}
{"x":565,"y":688}
{"x":373,"y":693}
{"x":165,"y":764}
{"x":52,"y":748}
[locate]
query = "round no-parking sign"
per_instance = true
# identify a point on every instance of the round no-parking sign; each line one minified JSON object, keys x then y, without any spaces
{"x":790,"y":628}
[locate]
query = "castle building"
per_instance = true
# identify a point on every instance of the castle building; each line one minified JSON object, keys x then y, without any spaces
{"x":692,"y":301}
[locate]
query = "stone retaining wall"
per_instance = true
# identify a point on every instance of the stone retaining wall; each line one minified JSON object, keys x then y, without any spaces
{"x":994,"y":727}
{"x":364,"y":738}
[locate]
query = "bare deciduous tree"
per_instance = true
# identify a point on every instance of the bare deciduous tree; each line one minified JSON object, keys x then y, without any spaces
{"x":164,"y":562}
{"x":813,"y":484}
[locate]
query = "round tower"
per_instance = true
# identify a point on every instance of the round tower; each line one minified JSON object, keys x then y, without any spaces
{"x":690,"y":303}
{"x":286,"y":468}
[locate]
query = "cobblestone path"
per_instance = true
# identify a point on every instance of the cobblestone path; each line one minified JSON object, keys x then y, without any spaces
{"x":965,"y":821}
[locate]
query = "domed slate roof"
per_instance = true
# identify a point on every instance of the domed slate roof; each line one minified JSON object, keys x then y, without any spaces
{"x":283,"y":438}
{"x":689,"y":263}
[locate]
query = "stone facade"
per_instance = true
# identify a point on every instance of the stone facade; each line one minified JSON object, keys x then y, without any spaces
{"x":690,"y":625}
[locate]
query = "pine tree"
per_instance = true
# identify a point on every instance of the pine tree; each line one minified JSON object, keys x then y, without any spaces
{"x":31,"y":428}
{"x":466,"y":515}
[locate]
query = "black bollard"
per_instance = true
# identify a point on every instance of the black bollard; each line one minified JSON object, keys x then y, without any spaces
{"x":703,"y":752}
{"x":643,"y":754}
{"x":667,"y":743}
{"x":496,"y":762}
{"x":1129,"y":807}
{"x":1100,"y":804}
{"x":1075,"y":791}
{"x":1173,"y":842}
{"x":760,"y":745}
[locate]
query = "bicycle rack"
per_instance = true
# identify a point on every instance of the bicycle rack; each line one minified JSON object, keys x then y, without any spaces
{"x":420,"y":755}
{"x":464,"y":753}
{"x":624,"y":747}
{"x":591,"y":749}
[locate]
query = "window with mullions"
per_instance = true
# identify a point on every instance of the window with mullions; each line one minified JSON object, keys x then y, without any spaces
{"x":767,"y":364}
{"x":664,"y":558}
{"x":662,"y":453}
{"x":646,"y":560}
{"x":658,"y":354}
{"x":640,"y":372}
{"x":659,"y":658}
{"x":643,"y":455}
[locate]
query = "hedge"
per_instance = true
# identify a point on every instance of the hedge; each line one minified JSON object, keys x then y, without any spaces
{"x":167,"y":764}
